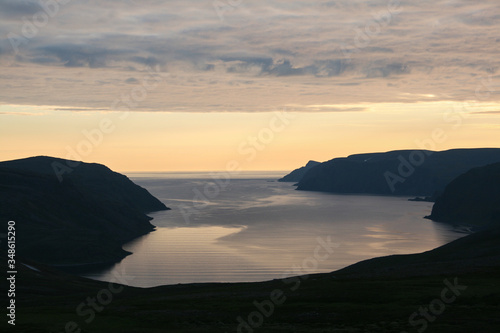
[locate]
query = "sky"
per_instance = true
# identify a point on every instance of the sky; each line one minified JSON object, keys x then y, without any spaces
{"x":202,"y":85}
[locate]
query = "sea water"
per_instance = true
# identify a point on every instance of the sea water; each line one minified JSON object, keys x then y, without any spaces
{"x":249,"y":227}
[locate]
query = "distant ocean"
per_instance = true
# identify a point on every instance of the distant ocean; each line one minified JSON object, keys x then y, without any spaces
{"x":248,"y":227}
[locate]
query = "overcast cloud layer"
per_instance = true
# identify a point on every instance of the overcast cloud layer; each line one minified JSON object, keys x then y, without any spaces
{"x":242,"y":55}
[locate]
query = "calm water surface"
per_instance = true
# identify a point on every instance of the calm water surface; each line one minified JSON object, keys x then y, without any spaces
{"x":252,"y":228}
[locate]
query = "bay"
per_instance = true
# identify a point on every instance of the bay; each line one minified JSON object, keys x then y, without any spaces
{"x":248,"y":227}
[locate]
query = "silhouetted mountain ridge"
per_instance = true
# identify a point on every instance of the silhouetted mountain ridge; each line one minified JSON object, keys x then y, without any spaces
{"x":82,"y":217}
{"x":402,"y":172}
{"x":297,"y":174}
{"x":472,"y":198}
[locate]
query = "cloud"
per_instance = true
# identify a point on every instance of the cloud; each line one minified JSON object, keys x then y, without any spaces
{"x":18,"y":8}
{"x":131,"y":80}
{"x":387,"y":70}
{"x":79,"y":109}
{"x":327,"y":108}
{"x":285,"y":68}
{"x":75,"y":55}
{"x":21,"y":114}
{"x":296,"y":49}
{"x":239,"y":64}
{"x":147,"y":61}
{"x":486,"y":112}
{"x":482,"y":17}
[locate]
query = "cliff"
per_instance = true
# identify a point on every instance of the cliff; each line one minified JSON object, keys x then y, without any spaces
{"x":403,"y":172}
{"x":80,"y":216}
{"x":472,"y":198}
{"x":297,"y":174}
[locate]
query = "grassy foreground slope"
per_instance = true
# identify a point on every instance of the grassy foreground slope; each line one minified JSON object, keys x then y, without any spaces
{"x":395,"y":299}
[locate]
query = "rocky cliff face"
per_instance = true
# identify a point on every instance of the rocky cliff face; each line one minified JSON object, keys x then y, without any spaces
{"x":297,"y":174}
{"x":472,"y":198}
{"x":404,"y":172}
{"x":82,"y":215}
